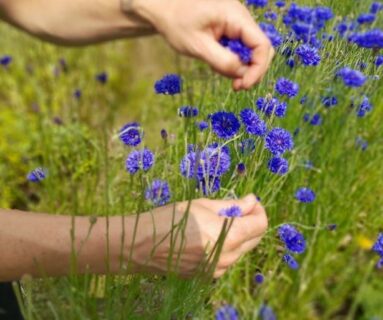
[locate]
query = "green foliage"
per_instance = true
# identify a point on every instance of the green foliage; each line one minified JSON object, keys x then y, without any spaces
{"x":85,"y":162}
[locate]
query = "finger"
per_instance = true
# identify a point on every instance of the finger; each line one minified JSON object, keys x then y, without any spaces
{"x":237,"y":84}
{"x":253,"y":225}
{"x":246,"y":204}
{"x":249,"y":245}
{"x":221,"y":59}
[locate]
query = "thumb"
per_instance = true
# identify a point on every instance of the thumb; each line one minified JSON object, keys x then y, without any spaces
{"x":221,"y":59}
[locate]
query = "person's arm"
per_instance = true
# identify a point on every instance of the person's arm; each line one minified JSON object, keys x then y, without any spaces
{"x":41,"y":244}
{"x":192,"y":27}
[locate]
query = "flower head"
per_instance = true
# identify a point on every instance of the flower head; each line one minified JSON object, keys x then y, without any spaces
{"x":308,"y":55}
{"x":278,"y":141}
{"x":227,"y":312}
{"x":370,"y":39}
{"x":211,"y":162}
{"x":5,"y":60}
{"x":231,"y":212}
{"x":253,"y":124}
{"x":257,"y":3}
{"x":139,"y":160}
{"x":352,"y":78}
{"x":225,"y":124}
{"x":285,"y":87}
{"x":378,"y":245}
{"x":364,"y":108}
{"x":259,"y":278}
{"x":131,"y":134}
{"x":292,"y":238}
{"x":37,"y":175}
{"x":188,"y":112}
{"x":170,"y":84}
{"x":158,"y":193}
{"x":305,"y":195}
{"x":290,"y":261}
{"x":366,"y":18}
{"x":266,"y":313}
{"x":330,"y":101}
{"x":272,"y":33}
{"x":102,"y":77}
{"x":278,"y":165}
{"x":272,"y":106}
{"x":239,"y":48}
{"x":202,"y":125}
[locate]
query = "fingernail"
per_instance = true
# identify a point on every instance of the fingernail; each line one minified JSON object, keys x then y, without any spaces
{"x":250,"y":198}
{"x":241,"y":71}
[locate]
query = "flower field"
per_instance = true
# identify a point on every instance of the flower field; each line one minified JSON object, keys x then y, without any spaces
{"x":127,"y":127}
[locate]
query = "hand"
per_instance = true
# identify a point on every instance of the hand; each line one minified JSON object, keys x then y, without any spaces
{"x":202,"y":231}
{"x":194,"y":27}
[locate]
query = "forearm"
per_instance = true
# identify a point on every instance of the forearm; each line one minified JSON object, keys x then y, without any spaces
{"x":73,"y":22}
{"x":42,"y":244}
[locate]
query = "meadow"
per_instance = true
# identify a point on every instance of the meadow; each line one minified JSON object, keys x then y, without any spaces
{"x":62,"y":109}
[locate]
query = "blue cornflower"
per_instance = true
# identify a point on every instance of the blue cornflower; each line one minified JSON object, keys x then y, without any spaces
{"x":379,"y":61}
{"x":211,"y":162}
{"x":239,"y":48}
{"x":332,"y":226}
{"x":278,"y":141}
{"x":290,"y":62}
{"x":266,"y":313}
{"x":280,"y":3}
{"x":286,"y":87}
{"x":5,"y":60}
{"x":202,"y":125}
{"x":170,"y":84}
{"x":259,"y":278}
{"x":102,"y":77}
{"x":379,"y":264}
{"x":246,"y":146}
{"x":241,"y":168}
{"x":225,"y":124}
{"x":292,"y":238}
{"x":352,"y":78}
{"x":370,"y":39}
{"x":305,"y":195}
{"x":308,"y":55}
{"x":270,"y":15}
{"x":77,"y":94}
{"x":366,"y":18}
{"x":306,"y":117}
{"x":290,"y":261}
{"x":37,"y":175}
{"x":164,"y":134}
{"x":209,"y":185}
{"x":376,"y":7}
{"x":231,"y":212}
{"x":278,"y":165}
{"x":272,"y":33}
{"x":257,"y":3}
{"x":227,"y":312}
{"x":188,"y":112}
{"x":364,"y":108}
{"x":253,"y":123}
{"x":378,"y":245}
{"x":158,"y":193}
{"x":271,"y":106}
{"x":316,"y":120}
{"x":131,"y":134}
{"x":303,"y":100}
{"x":330,"y":101}
{"x":139,"y":160}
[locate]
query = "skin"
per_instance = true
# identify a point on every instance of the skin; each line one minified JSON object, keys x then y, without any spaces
{"x":40,"y":244}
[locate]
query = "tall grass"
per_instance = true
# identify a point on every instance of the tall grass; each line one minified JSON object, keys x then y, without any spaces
{"x":337,"y":278}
